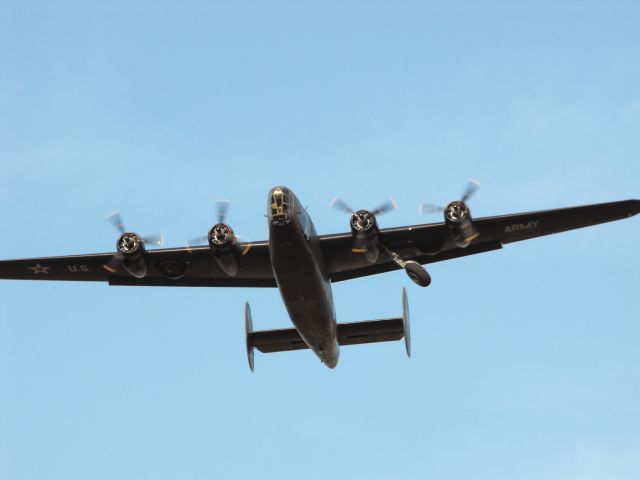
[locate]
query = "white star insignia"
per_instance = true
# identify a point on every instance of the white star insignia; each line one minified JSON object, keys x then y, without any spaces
{"x":39,"y":269}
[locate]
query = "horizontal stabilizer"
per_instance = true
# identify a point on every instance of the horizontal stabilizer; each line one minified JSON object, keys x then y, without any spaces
{"x":268,"y":341}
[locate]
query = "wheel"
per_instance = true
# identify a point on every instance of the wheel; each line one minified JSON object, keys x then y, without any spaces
{"x":417,"y":273}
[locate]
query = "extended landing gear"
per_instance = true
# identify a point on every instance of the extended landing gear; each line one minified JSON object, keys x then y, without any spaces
{"x":415,"y":271}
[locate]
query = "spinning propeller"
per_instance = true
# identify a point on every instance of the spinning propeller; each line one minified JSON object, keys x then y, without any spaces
{"x":116,"y":220}
{"x":364,"y":227}
{"x":457,"y":216}
{"x":222,"y":206}
{"x":130,"y":247}
{"x":222,"y":240}
{"x":220,"y":232}
{"x":363,"y":222}
{"x":385,"y":207}
{"x":427,"y":208}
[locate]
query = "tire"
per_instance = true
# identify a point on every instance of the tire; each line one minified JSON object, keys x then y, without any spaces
{"x":417,"y":273}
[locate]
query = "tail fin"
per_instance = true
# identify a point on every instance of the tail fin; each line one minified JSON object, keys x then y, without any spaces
{"x":248,"y":331}
{"x":406,"y":327}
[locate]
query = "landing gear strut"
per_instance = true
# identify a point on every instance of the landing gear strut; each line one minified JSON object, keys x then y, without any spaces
{"x":415,"y":271}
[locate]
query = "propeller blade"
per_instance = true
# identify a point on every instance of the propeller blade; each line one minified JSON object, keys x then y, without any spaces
{"x":245,"y":244}
{"x":153,"y":240}
{"x":222,"y":207}
{"x":113,"y":263}
{"x":246,"y":248}
{"x":385,"y":207}
{"x":471,"y":189}
{"x":197,"y":241}
{"x":426,"y":208}
{"x":339,"y":204}
{"x":116,"y":220}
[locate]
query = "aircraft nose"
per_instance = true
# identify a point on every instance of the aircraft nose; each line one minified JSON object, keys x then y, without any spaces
{"x":279,"y":189}
{"x":280,"y":206}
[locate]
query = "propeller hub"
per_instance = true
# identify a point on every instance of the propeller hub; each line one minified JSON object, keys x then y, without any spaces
{"x":129,"y":243}
{"x":221,"y":234}
{"x":363,"y":221}
{"x":456,"y":212}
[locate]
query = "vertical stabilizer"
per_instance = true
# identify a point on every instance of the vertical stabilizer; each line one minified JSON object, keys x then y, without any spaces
{"x":248,"y":329}
{"x":405,"y":322}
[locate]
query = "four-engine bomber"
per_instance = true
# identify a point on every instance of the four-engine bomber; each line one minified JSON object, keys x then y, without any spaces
{"x":303,"y":264}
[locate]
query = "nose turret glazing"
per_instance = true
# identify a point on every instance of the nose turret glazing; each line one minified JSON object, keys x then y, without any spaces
{"x":281,"y":203}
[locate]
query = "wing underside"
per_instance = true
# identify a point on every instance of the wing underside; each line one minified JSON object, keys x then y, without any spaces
{"x":192,"y":267}
{"x":432,"y":243}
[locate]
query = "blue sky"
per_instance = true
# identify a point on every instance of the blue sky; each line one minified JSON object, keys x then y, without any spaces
{"x":525,"y":361}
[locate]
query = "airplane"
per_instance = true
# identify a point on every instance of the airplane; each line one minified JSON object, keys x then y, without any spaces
{"x":303,"y":265}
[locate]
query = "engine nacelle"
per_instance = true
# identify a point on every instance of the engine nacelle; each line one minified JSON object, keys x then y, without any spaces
{"x":364,"y":229}
{"x":131,"y":247}
{"x":458,"y":219}
{"x":222,"y":242}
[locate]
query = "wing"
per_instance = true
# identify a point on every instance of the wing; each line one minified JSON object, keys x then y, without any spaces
{"x":422,"y":243}
{"x":187,"y":267}
{"x":432,"y":243}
